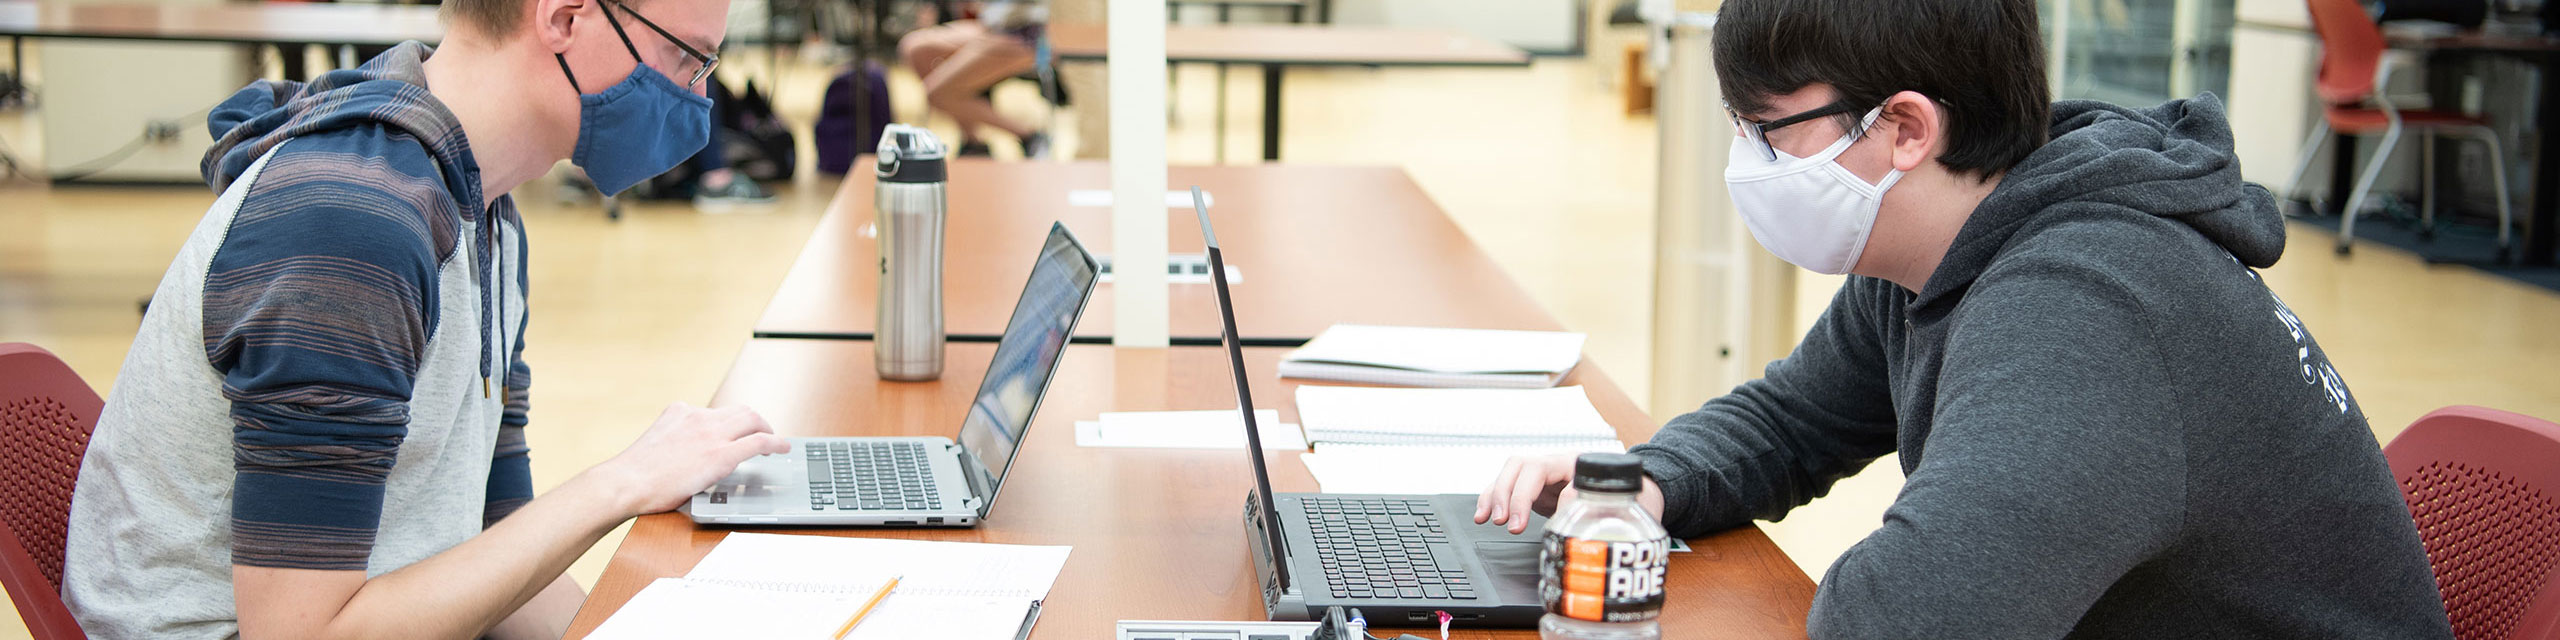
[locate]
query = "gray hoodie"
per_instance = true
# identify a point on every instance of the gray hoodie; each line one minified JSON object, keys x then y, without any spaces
{"x":2110,"y":427}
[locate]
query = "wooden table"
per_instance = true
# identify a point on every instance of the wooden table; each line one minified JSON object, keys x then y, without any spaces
{"x":1158,"y":534}
{"x":250,"y":23}
{"x":1316,"y":245}
{"x":2542,"y":222}
{"x":1277,"y":47}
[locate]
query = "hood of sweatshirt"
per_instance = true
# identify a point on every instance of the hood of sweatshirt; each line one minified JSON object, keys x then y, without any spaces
{"x":388,"y":94}
{"x":2174,"y":161}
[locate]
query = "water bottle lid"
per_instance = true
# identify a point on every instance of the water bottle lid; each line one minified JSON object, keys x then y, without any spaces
{"x":910,"y":154}
{"x":1615,"y":472}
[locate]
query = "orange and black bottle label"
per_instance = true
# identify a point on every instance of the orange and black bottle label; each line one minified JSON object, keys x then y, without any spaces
{"x":1603,"y":581}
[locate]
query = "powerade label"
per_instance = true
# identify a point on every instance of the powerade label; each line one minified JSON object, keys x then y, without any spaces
{"x":1603,"y":581}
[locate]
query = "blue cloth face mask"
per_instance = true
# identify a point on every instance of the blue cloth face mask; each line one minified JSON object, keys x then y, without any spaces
{"x":638,"y":128}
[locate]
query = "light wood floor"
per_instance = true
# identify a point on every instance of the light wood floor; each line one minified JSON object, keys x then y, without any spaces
{"x":637,"y":313}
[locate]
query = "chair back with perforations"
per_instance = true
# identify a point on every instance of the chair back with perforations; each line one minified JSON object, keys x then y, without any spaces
{"x":2351,"y":47}
{"x":2484,"y":486}
{"x":46,"y":413}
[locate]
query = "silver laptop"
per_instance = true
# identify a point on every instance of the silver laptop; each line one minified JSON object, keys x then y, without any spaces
{"x":924,"y":481}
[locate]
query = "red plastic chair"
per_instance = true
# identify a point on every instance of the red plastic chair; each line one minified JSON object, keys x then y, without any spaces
{"x":2484,"y":486}
{"x":2353,"y":75}
{"x":46,"y":413}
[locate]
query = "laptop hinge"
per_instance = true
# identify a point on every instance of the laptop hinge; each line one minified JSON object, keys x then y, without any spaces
{"x":1282,"y":594}
{"x":969,"y":471}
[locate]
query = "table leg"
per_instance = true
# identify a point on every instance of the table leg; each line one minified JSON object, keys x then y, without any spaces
{"x":2445,"y":75}
{"x":1218,"y":128}
{"x":2542,"y":228}
{"x":13,"y":87}
{"x":1172,"y":71}
{"x":2342,"y":172}
{"x":1271,"y":112}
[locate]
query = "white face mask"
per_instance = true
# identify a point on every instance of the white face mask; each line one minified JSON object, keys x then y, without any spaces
{"x":1809,"y":211}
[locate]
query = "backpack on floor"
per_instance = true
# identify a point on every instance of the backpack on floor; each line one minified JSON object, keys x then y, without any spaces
{"x":851,"y":117}
{"x":756,"y":143}
{"x":760,"y":143}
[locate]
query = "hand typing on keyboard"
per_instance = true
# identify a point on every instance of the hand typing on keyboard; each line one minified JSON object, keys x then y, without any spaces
{"x":684,"y":452}
{"x":1539,"y":483}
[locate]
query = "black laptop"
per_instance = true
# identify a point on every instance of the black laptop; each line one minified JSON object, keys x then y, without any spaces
{"x":1400,"y":559}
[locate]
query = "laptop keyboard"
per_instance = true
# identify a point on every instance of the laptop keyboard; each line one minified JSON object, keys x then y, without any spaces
{"x":1385,"y":548}
{"x":870,"y":476}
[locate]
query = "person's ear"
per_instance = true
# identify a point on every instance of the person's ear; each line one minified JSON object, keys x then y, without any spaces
{"x":555,"y":23}
{"x":1916,"y":125}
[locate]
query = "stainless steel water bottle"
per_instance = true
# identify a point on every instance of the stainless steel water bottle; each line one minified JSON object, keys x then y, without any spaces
{"x":909,"y":208}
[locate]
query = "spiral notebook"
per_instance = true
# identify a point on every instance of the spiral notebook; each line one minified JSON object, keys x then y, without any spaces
{"x":1425,"y":469}
{"x":1561,"y":416}
{"x":1433,"y":357}
{"x":758,"y":585}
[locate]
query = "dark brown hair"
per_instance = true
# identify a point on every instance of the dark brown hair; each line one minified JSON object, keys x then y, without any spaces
{"x":1981,"y":60}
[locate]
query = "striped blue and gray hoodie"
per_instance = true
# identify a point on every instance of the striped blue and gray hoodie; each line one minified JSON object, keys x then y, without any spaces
{"x":330,"y":375}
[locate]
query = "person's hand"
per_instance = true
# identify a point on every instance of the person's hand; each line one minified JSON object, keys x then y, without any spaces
{"x":684,"y":452}
{"x":1541,"y":484}
{"x":1527,"y":483}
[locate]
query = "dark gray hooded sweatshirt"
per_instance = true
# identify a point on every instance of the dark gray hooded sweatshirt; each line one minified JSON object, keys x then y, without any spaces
{"x":2110,"y":427}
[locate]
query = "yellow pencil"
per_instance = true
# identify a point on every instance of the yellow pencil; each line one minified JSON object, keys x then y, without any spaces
{"x":866,"y":608}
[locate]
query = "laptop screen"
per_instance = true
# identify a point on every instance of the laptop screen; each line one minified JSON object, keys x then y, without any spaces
{"x":1026,"y":357}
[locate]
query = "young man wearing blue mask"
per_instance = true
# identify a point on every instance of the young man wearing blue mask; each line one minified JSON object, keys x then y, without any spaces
{"x":319,"y":430}
{"x":2109,"y":426}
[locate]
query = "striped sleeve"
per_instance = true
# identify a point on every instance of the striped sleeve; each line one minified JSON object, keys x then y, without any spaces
{"x":317,"y":311}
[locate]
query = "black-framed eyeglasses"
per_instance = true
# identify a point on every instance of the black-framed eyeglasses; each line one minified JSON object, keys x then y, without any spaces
{"x":706,"y":61}
{"x":1758,"y":132}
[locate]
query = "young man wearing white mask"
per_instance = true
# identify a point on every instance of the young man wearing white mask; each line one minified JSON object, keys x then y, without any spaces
{"x":2110,"y":427}
{"x":319,"y":430}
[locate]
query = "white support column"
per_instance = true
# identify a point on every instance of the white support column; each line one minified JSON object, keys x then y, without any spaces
{"x":1721,"y":303}
{"x":1138,"y":214}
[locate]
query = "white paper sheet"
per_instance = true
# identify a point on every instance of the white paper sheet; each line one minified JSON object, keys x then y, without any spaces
{"x":687,"y":609}
{"x":676,"y":608}
{"x":1186,"y":430}
{"x":1425,"y":470}
{"x":1370,"y":415}
{"x":929,"y":567}
{"x":1172,"y":199}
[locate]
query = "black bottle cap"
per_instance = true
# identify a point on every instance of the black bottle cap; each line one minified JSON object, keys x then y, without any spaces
{"x":909,"y":154}
{"x":1617,"y":472}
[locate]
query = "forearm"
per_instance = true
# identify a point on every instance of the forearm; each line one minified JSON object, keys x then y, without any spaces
{"x":1755,"y":453}
{"x":546,"y":616}
{"x":468,"y":589}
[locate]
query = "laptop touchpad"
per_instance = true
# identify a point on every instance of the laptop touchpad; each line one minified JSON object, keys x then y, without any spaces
{"x":1515,"y":569}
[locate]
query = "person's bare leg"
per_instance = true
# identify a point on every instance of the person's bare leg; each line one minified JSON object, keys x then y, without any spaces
{"x":927,"y":50}
{"x":982,"y":62}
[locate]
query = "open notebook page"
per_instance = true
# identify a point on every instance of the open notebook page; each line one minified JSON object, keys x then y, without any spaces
{"x":1347,"y":468}
{"x":938,"y":568}
{"x":680,"y":608}
{"x":1373,"y":415}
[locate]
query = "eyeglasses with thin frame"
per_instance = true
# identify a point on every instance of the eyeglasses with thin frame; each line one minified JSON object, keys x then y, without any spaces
{"x":1758,"y":132}
{"x":708,"y":61}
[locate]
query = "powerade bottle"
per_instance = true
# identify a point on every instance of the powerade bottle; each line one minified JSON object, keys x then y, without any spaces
{"x":1602,"y":567}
